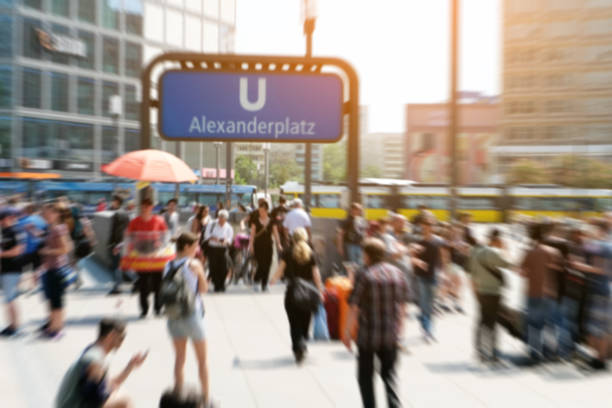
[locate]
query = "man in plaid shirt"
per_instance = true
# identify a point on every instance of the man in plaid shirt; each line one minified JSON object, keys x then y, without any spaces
{"x":378,"y":302}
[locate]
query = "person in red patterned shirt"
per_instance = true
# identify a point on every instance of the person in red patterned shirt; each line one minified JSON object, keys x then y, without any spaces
{"x":148,"y":281}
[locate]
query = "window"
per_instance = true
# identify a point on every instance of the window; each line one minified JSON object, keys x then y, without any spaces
{"x":431,"y":202}
{"x":60,"y":7}
{"x":211,"y":8}
{"x":133,"y":59}
{"x":228,"y":8}
{"x":210,"y":42}
{"x":194,"y":6}
{"x":328,"y":200}
{"x":110,"y":14}
{"x":5,"y":137}
{"x":375,"y":201}
{"x":79,"y":140}
{"x":108,"y":89}
{"x":133,"y":16}
{"x":174,"y":35}
{"x":59,"y":92}
{"x":132,"y":106}
{"x":58,"y":57}
{"x":6,"y":33}
{"x":154,"y":22}
{"x":557,"y":106}
{"x":89,"y":39}
{"x":111,"y":55}
{"x":31,"y":46}
{"x":36,"y":140}
{"x":131,"y":140}
{"x":109,"y":144}
{"x":36,"y":4}
{"x":193,"y":33}
{"x":476,"y":203}
{"x":86,"y":95}
{"x":87,"y":11}
{"x":6,"y":87}
{"x":31,"y":88}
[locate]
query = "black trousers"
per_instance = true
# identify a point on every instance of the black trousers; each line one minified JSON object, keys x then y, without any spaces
{"x":263,"y":256}
{"x":489,"y":309}
{"x":149,"y":282}
{"x":365,"y":375}
{"x":217,"y":264}
{"x":299,"y":323}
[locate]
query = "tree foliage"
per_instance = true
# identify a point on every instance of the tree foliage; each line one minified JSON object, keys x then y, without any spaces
{"x":245,"y":171}
{"x":567,"y":170}
{"x":334,"y":162}
{"x":371,"y":171}
{"x":283,"y":168}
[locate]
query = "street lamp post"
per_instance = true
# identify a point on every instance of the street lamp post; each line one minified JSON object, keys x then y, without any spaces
{"x":452,"y":123}
{"x":310,"y":16}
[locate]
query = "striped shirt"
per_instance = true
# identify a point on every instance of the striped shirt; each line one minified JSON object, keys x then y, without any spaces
{"x":380,"y":292}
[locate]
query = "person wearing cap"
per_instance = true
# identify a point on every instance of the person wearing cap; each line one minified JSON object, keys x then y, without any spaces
{"x":298,"y":218}
{"x":13,"y":245}
{"x":219,"y":236}
{"x":148,"y":281}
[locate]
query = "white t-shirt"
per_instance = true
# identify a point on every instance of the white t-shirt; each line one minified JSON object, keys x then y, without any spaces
{"x":215,"y":230}
{"x":295,"y":219}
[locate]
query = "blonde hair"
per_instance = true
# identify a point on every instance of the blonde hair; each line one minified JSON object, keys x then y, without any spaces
{"x":301,"y":250}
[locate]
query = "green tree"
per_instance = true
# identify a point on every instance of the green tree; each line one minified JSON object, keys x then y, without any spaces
{"x":283,"y":168}
{"x":527,"y":171}
{"x":334,"y":162}
{"x":371,"y":171}
{"x":245,"y":171}
{"x":583,"y":172}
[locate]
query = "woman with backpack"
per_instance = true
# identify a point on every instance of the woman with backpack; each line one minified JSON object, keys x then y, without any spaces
{"x":298,"y":262}
{"x":185,"y":274}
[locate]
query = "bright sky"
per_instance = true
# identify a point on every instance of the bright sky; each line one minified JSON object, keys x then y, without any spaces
{"x":400,"y":48}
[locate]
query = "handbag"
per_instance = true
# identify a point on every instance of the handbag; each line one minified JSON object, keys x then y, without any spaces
{"x":304,"y":295}
{"x":495,"y":272}
{"x":320,"y":329}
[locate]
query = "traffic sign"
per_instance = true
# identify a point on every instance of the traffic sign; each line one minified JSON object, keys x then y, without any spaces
{"x":251,"y":107}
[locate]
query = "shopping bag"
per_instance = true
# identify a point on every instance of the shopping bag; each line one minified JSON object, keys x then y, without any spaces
{"x":320,"y":331}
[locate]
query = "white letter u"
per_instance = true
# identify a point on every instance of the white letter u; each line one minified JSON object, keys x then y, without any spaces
{"x":244,"y":95}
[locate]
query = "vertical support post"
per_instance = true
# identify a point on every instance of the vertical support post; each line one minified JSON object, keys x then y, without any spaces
{"x":228,"y":174}
{"x":452,"y":105}
{"x":309,"y":25}
{"x":266,"y":167}
{"x":217,"y":160}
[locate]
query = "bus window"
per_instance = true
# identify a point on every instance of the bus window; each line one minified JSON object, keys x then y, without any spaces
{"x":524,"y":203}
{"x":476,"y":203}
{"x":312,"y":200}
{"x":430,"y":202}
{"x":603,"y":204}
{"x":328,"y":200}
{"x":375,"y":201}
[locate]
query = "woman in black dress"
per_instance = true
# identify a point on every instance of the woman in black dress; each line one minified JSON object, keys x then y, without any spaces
{"x":298,"y":261}
{"x":260,"y":243}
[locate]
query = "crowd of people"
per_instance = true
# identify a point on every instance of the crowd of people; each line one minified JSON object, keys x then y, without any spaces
{"x":391,"y":263}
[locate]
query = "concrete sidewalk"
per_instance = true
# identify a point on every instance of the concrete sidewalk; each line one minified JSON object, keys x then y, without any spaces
{"x":251,"y":364}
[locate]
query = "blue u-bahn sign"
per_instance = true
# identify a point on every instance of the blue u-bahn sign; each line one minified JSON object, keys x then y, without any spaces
{"x":253,"y":107}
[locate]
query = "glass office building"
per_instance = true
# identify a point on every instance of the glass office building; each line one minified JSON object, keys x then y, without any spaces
{"x":69,"y":76}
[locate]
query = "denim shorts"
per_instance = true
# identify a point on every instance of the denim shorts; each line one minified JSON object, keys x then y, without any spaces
{"x":189,"y":327}
{"x":10,"y":286}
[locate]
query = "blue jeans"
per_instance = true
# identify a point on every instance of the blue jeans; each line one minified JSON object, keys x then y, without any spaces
{"x":570,"y":311}
{"x":426,"y":298}
{"x":354,"y":253}
{"x":545,"y":313}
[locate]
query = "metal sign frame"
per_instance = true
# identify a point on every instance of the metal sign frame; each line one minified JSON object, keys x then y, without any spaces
{"x":264,"y":64}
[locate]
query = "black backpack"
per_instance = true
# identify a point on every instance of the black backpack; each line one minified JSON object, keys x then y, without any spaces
{"x":178,"y":299}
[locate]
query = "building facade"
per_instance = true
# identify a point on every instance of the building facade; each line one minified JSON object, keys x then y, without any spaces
{"x":426,"y":147}
{"x":557,"y":80}
{"x":70,"y":77}
{"x":383,"y":155}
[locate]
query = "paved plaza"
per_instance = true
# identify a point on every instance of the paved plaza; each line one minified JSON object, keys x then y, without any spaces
{"x":251,"y":364}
